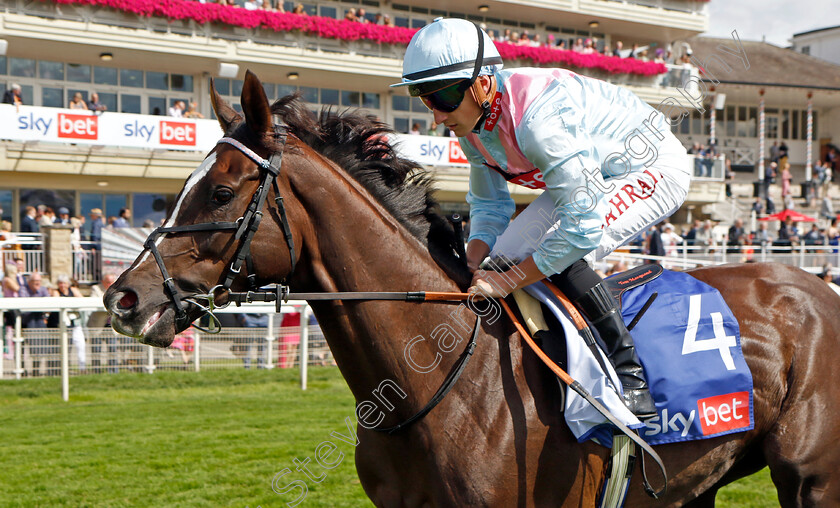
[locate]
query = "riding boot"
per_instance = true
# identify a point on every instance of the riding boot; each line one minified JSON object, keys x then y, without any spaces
{"x":599,"y":306}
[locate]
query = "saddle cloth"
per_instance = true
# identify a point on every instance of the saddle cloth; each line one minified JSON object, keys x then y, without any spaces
{"x":689,"y":344}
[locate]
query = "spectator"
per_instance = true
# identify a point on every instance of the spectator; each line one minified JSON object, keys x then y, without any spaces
{"x":387,"y":21}
{"x":618,"y":49}
{"x":634,"y":51}
{"x":11,"y":289}
{"x":433,"y":129}
{"x":377,"y":19}
{"x":578,"y":45}
{"x":788,"y":233}
{"x":774,"y":152}
{"x":252,"y":5}
{"x":415,"y":129}
{"x":28,"y":224}
{"x":350,"y":14}
{"x":827,"y":276}
{"x":299,"y":10}
{"x":289,"y":339}
{"x":12,"y":95}
{"x":242,"y":345}
{"x":692,"y":233}
{"x":48,"y":218}
{"x":185,"y":343}
{"x":63,"y":216}
{"x":36,"y":346}
{"x":762,"y":236}
{"x":97,"y":323}
{"x":192,"y":112}
{"x":96,"y":225}
{"x":786,"y":181}
{"x":589,"y":47}
{"x":506,"y":35}
{"x":826,"y":208}
{"x":361,"y":15}
{"x":64,"y":288}
{"x":670,"y":239}
{"x":783,"y":154}
{"x":78,"y":102}
{"x":654,"y":245}
{"x":124,"y":220}
{"x":94,"y":104}
{"x":177,"y":109}
{"x":703,"y":238}
{"x":814,"y":236}
{"x":736,"y":237}
{"x":757,"y":207}
{"x":149,"y":223}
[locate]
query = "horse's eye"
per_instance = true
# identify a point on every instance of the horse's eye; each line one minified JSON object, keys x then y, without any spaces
{"x":222,"y":196}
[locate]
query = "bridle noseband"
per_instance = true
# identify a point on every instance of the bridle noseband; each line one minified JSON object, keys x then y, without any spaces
{"x":246,"y":227}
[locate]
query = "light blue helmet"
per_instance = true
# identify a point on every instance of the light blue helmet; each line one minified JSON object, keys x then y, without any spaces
{"x":447,"y":49}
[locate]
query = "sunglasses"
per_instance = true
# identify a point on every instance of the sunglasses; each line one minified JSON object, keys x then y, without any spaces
{"x":444,"y":96}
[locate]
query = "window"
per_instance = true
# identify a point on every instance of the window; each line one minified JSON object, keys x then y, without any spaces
{"x":351,"y":98}
{"x":104,"y":76}
{"x":109,"y":100}
{"x":752,"y":123}
{"x":328,"y":12}
{"x":114,"y":203}
{"x":157,"y":80}
{"x":151,"y":207}
{"x":329,"y":96}
{"x":52,"y":97}
{"x":730,"y":121}
{"x":51,"y":198}
{"x":284,"y":90}
{"x":24,"y":67}
{"x":129,"y":103}
{"x":51,"y":70}
{"x":370,"y":100}
{"x":181,"y":82}
{"x":696,"y":120}
{"x":157,"y":106}
{"x":268,"y":88}
{"x":78,"y":73}
{"x":309,"y":94}
{"x":236,"y":91}
{"x":806,"y":50}
{"x":785,"y":134}
{"x":222,"y":86}
{"x":2,"y":64}
{"x":795,"y":132}
{"x":131,"y":78}
{"x":6,"y":204}
{"x":401,"y":125}
{"x":401,"y":102}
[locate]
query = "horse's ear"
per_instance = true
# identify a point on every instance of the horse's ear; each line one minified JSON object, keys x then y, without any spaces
{"x":226,"y":114}
{"x":255,"y":105}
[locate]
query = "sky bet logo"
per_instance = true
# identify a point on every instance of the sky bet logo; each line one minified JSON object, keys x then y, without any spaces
{"x":34,"y":123}
{"x":77,"y":126}
{"x":177,"y":133}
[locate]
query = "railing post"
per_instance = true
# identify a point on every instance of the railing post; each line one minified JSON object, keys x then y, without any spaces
{"x":150,"y":360}
{"x":18,"y":339}
{"x":269,"y":342}
{"x":65,"y":360}
{"x":304,"y":345}
{"x":197,"y":350}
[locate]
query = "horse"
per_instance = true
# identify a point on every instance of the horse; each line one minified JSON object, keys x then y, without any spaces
{"x":357,"y":217}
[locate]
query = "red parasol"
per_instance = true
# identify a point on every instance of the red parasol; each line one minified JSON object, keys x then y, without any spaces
{"x":793,"y":214}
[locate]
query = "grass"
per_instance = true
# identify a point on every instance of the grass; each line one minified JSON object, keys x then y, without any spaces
{"x":214,"y":438}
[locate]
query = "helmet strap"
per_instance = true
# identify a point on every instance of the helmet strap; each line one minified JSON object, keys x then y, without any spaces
{"x":483,"y":99}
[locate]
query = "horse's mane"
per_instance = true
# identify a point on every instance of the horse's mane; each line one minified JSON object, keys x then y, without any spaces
{"x":359,"y":144}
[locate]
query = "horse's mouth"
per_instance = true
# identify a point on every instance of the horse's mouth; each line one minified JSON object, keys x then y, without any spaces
{"x":158,"y":330}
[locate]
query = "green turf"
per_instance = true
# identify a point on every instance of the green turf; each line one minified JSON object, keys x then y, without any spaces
{"x":214,"y":438}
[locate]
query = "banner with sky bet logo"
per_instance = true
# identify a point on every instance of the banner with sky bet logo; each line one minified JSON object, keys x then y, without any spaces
{"x":53,"y":125}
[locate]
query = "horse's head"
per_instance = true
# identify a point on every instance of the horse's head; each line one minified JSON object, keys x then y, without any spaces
{"x":214,"y":235}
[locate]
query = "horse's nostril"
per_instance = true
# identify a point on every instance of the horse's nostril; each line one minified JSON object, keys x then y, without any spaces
{"x":128,"y":301}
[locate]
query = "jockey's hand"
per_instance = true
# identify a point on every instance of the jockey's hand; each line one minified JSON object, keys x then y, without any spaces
{"x":490,"y":285}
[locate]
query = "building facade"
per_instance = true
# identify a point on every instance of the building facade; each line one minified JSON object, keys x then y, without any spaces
{"x":141,"y":58}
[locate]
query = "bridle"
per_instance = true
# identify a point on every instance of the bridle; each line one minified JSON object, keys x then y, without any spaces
{"x":246,"y":226}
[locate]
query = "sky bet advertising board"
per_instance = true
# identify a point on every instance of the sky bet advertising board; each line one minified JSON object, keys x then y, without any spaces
{"x":109,"y":129}
{"x":53,"y":125}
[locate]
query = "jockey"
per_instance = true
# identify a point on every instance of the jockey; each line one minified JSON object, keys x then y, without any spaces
{"x":607,"y":162}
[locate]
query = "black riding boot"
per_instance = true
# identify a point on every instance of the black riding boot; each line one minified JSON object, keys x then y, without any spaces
{"x":599,"y":306}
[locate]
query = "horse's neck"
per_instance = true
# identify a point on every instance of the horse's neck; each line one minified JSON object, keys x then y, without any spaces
{"x":359,"y":246}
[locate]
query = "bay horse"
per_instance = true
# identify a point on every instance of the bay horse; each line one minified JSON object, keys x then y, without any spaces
{"x":362,"y":219}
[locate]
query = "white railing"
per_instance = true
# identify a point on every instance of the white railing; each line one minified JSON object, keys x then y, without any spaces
{"x":87,"y":259}
{"x":31,"y":352}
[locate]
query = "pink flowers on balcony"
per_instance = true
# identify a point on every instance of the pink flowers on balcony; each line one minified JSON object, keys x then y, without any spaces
{"x":351,"y":31}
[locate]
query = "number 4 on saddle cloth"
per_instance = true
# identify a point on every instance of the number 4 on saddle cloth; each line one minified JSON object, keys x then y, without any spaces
{"x":689,"y":343}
